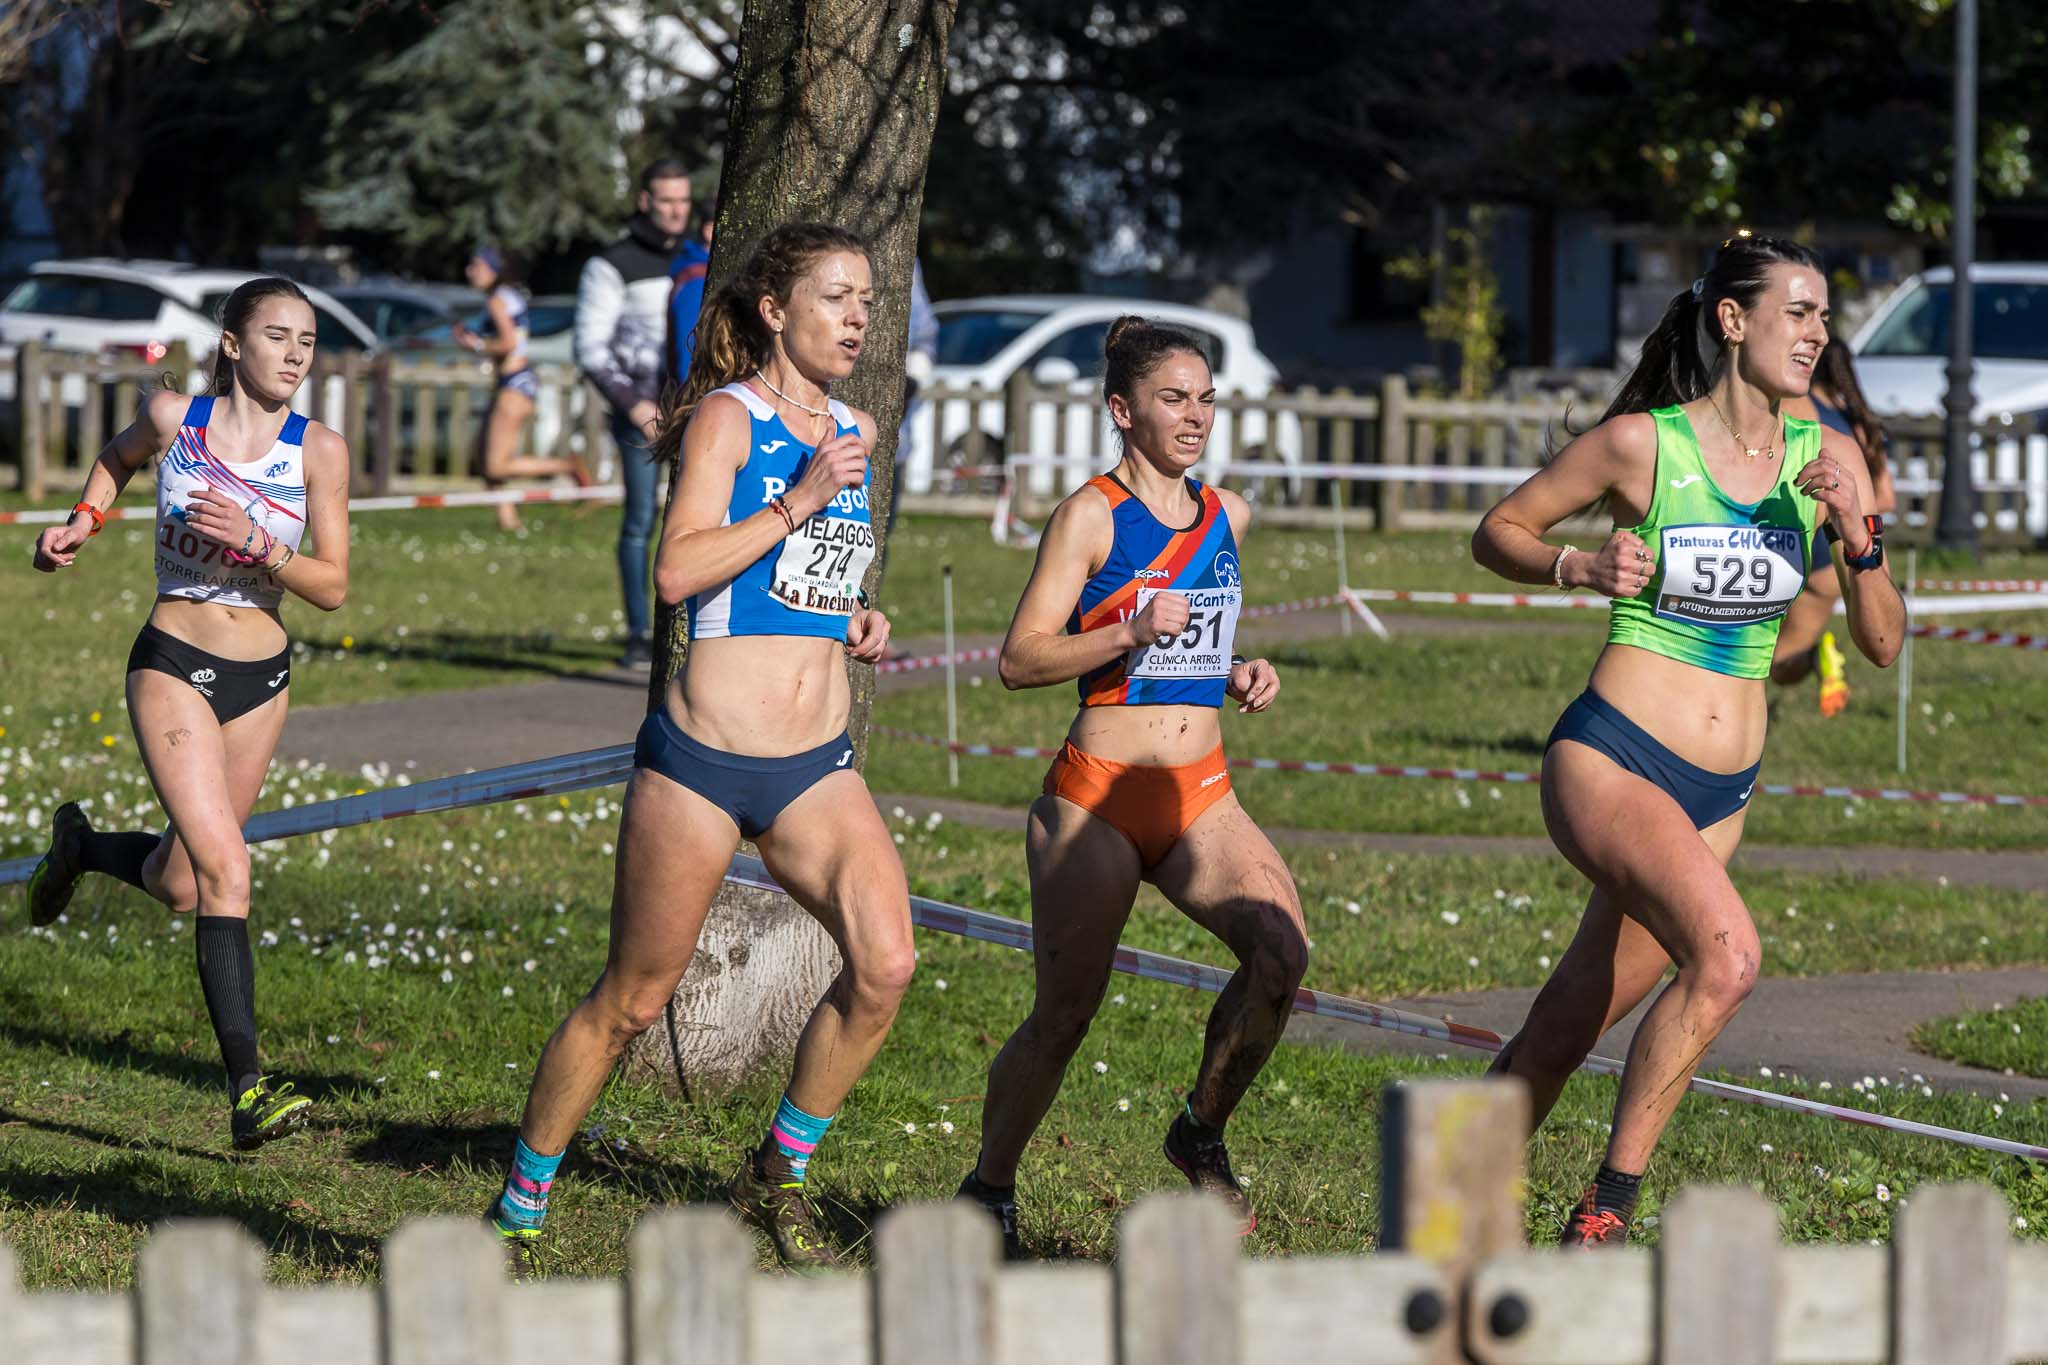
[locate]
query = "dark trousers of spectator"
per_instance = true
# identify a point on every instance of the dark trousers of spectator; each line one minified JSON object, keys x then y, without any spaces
{"x":642,"y":477}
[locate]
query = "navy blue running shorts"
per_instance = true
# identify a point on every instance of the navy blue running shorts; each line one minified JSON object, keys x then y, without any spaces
{"x":1706,"y":797}
{"x":753,"y":791}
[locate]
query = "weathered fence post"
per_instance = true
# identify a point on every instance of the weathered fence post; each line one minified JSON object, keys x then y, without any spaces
{"x":1017,"y":394}
{"x":1393,"y":446}
{"x":687,"y":1289}
{"x":1717,"y":1279}
{"x":934,"y":1284}
{"x":442,"y":1279}
{"x":198,"y":1296}
{"x":1949,"y":1253}
{"x":1177,"y":1283}
{"x":1451,"y":1158}
{"x":384,"y":443}
{"x":28,"y":404}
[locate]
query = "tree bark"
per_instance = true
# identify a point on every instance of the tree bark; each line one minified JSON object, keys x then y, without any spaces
{"x":833,"y":106}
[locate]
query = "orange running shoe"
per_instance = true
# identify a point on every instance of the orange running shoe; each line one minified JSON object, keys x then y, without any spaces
{"x":1834,"y":684}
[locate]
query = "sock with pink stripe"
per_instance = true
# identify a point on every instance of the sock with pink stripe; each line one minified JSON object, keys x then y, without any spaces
{"x":524,"y":1204}
{"x":792,"y":1137}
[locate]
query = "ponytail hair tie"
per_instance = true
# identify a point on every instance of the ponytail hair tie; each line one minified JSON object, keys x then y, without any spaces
{"x":1699,"y":285}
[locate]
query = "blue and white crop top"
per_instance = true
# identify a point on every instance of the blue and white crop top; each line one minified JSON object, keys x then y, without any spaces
{"x":808,"y":583}
{"x":515,"y":306}
{"x":271,"y":490}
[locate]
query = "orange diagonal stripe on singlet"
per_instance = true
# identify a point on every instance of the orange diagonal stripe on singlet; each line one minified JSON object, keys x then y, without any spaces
{"x":1172,"y":557}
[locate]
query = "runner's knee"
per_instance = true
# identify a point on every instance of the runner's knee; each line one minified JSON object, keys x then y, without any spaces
{"x":222,"y":878}
{"x":879,"y":977}
{"x":1725,"y":972}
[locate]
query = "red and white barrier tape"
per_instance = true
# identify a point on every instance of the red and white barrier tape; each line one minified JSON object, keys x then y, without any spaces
{"x":916,"y":662}
{"x":1979,"y":637}
{"x":605,"y":767}
{"x":1289,"y":765}
{"x":1981,"y":585}
{"x":395,"y":502}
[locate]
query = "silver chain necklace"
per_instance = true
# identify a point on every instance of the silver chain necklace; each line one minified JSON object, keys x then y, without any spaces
{"x":762,"y":375}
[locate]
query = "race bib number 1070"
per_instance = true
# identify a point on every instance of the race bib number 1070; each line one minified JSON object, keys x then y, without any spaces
{"x":1729,"y":575}
{"x":1202,"y":649}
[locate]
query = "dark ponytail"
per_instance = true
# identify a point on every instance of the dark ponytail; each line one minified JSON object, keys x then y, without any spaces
{"x":1133,"y":348}
{"x":1681,"y":356}
{"x":235,"y":313}
{"x":731,"y":340}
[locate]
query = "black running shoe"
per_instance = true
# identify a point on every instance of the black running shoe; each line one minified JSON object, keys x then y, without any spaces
{"x":1001,"y":1207}
{"x":265,"y":1114}
{"x":56,"y":876}
{"x":520,"y":1245}
{"x":1592,"y":1226}
{"x":639,"y":652}
{"x":1207,"y":1166}
{"x":785,"y":1213}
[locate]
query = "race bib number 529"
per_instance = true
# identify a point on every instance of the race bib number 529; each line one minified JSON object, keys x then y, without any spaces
{"x":1729,"y":575}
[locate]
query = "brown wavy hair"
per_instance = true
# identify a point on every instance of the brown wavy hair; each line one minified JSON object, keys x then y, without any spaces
{"x":235,"y":312}
{"x":731,"y":340}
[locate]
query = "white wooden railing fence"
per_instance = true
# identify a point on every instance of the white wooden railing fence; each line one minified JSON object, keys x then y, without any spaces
{"x":412,"y":425}
{"x":1717,"y":1289}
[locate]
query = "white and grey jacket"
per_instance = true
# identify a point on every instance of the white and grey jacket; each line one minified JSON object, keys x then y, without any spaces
{"x":622,"y":315}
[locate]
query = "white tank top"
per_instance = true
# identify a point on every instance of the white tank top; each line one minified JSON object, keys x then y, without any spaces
{"x":271,"y":490}
{"x":515,"y":304}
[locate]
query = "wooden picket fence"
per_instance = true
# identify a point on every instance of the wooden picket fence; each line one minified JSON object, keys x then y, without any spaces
{"x":412,"y":425}
{"x":1451,"y":1283}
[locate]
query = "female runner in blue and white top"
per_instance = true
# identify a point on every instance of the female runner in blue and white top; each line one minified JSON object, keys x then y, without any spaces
{"x":1135,"y":598}
{"x":768,"y":537}
{"x":518,"y":390}
{"x":240,"y":482}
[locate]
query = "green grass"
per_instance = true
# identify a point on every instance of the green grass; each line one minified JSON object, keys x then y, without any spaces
{"x":1488,"y":701}
{"x":114,"y":1111}
{"x":2012,"y":1040}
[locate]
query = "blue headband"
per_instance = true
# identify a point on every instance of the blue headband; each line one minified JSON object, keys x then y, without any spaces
{"x":492,"y":257}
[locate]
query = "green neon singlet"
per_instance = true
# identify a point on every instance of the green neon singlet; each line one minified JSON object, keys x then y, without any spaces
{"x":1725,"y":571}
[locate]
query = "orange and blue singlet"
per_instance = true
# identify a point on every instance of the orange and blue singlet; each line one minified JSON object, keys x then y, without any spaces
{"x":1145,"y":557}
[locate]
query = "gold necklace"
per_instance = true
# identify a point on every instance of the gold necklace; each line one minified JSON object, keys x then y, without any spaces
{"x":1769,"y":452}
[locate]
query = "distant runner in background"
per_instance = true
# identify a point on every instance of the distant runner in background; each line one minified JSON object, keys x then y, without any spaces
{"x":492,"y":272}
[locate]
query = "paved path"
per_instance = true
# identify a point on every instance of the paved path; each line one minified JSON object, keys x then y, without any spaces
{"x":1838,"y":1029}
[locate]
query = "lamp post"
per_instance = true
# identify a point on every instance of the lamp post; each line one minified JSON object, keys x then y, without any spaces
{"x":1958,"y":526}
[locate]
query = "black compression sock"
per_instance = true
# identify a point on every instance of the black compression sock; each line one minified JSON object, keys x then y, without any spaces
{"x":118,"y":854}
{"x":1615,"y":1192}
{"x":989,"y":1190}
{"x":1194,"y":1129}
{"x":227,"y":976}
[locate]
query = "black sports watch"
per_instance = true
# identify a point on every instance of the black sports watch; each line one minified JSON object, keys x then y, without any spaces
{"x":1872,"y":557}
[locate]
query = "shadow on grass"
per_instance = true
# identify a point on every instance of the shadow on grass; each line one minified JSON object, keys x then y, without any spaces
{"x":463,"y":1141}
{"x":137,"y":1190}
{"x":1442,"y":741}
{"x":201,"y":1069}
{"x":546,"y":654}
{"x":121,"y":1141}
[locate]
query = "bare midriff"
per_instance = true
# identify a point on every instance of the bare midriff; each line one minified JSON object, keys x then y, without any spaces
{"x":245,"y":633}
{"x":1149,"y":736}
{"x":1709,"y":719}
{"x":767,"y":696}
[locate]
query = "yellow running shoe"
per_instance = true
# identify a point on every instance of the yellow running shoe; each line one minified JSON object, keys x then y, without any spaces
{"x":1834,"y":685}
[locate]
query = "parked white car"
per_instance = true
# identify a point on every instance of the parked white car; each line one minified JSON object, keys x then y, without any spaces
{"x":1057,"y":340}
{"x":1902,"y":363}
{"x":143,"y":308}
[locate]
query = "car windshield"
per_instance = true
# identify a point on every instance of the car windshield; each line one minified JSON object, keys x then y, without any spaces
{"x":972,"y":336}
{"x":2010,"y":322}
{"x":542,"y":320}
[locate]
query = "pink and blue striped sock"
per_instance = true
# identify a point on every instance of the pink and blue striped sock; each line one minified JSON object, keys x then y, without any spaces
{"x":794,"y":1135}
{"x":524,"y":1204}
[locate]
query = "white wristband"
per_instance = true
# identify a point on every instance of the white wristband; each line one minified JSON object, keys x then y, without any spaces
{"x":1557,"y":565}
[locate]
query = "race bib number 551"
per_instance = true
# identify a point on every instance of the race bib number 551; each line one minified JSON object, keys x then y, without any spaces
{"x":1729,"y":575}
{"x":1202,"y":649}
{"x":821,"y":565}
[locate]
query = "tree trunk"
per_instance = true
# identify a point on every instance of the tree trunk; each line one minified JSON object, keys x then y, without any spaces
{"x":833,"y":106}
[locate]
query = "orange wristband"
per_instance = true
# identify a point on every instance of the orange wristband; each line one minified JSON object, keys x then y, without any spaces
{"x":99,"y":519}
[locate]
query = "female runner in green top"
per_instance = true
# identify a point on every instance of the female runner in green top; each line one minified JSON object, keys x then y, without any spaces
{"x":1716,"y":494}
